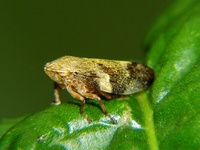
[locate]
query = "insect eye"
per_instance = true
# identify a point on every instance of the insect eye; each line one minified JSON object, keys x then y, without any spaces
{"x":64,"y":73}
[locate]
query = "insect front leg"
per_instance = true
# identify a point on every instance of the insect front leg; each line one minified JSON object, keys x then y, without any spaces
{"x":57,"y":100}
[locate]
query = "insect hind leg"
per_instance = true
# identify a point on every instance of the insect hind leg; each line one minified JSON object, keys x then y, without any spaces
{"x":95,"y":96}
{"x":106,"y":112}
{"x":82,"y":99}
{"x":103,"y":108}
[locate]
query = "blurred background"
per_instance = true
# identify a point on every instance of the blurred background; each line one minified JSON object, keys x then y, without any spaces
{"x":35,"y":32}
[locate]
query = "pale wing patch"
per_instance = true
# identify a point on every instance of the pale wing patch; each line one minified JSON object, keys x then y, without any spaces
{"x":133,"y":87}
{"x":104,"y":83}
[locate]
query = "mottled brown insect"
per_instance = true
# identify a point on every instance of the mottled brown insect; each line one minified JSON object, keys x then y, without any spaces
{"x":97,"y":78}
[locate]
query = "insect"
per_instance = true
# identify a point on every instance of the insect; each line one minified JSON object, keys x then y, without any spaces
{"x":91,"y":78}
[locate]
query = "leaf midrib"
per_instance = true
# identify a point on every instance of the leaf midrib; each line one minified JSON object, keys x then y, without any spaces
{"x":149,"y":120}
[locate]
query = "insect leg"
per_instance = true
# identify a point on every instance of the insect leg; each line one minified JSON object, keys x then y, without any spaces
{"x":94,"y":96}
{"x":82,"y":99}
{"x":57,"y":100}
{"x":90,"y":95}
{"x":103,"y":107}
{"x":77,"y":96}
{"x":106,"y":95}
{"x":105,"y":111}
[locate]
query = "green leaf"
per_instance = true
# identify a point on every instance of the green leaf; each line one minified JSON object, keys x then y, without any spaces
{"x":166,"y":116}
{"x":5,"y":124}
{"x":62,"y":126}
{"x":174,"y":54}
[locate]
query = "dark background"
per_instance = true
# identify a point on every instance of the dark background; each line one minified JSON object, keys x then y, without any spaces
{"x":35,"y":32}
